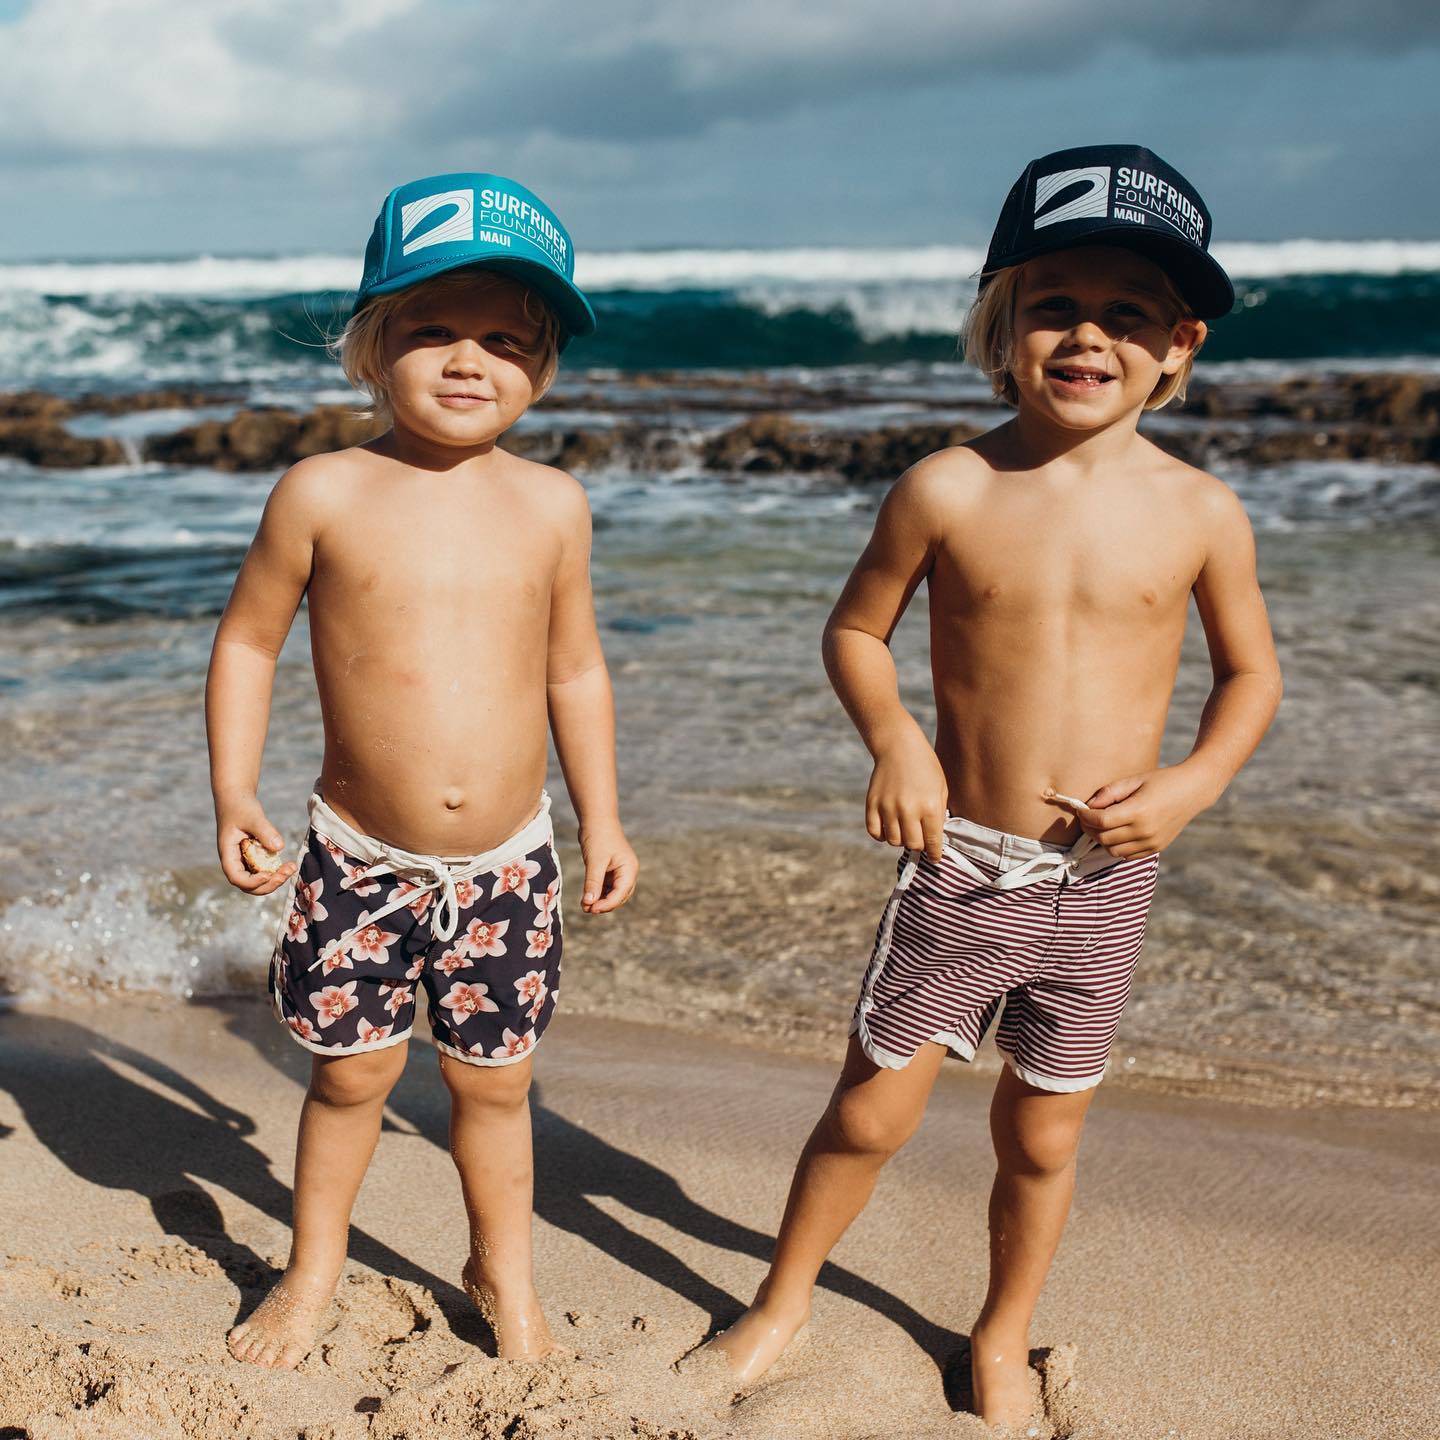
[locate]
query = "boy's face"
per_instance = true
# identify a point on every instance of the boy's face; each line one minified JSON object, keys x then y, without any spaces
{"x":461,"y":363}
{"x":1094,"y":334}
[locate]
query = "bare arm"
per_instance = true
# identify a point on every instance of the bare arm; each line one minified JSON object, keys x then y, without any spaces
{"x":1142,"y":814}
{"x":582,"y":720}
{"x":905,"y":804}
{"x":261,"y":609}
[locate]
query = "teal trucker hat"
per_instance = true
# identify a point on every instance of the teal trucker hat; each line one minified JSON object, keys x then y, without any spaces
{"x":441,"y":223}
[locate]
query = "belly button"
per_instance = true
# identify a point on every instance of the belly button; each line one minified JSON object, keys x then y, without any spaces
{"x":454,"y":799}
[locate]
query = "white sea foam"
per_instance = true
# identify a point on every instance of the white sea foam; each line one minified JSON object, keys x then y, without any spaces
{"x":117,"y":931}
{"x":680,"y":269}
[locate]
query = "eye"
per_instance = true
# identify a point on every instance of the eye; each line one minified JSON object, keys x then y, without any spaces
{"x":516,"y":344}
{"x":1052,"y":303}
{"x":1129,"y":308}
{"x":431,"y":332}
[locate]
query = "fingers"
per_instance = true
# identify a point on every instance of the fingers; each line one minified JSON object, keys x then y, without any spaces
{"x":1127,"y":841}
{"x":234,"y":832}
{"x":273,"y":881}
{"x":909,"y":827}
{"x":252,"y":882}
{"x":594,"y":884}
{"x":1115,"y":791}
{"x":614,"y":887}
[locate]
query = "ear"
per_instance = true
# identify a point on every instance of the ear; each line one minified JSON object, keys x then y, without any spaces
{"x":1187,"y":336}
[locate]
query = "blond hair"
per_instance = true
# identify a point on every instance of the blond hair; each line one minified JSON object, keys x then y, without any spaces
{"x":360,"y":346}
{"x":988,"y":337}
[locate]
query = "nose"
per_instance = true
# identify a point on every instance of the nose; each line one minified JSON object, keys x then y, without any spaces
{"x":1087,"y":333}
{"x":466,"y":357}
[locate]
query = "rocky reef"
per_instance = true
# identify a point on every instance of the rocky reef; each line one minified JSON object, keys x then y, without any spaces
{"x":1381,"y":416}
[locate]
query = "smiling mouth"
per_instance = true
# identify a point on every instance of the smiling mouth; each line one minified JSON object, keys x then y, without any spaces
{"x":464,"y":399}
{"x":1073,"y":375}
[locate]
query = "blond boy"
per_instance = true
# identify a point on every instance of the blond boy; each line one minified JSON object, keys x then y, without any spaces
{"x":452,"y":627}
{"x":1060,"y":552}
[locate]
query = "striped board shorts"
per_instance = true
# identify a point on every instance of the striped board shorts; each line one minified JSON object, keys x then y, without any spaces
{"x":1050,"y":931}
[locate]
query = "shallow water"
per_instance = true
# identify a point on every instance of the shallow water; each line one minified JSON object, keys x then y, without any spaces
{"x":1289,"y":947}
{"x":1289,"y":954}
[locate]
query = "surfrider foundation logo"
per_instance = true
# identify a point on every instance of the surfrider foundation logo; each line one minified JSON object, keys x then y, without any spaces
{"x":1072,"y":195}
{"x":510,"y":216}
{"x":459,"y":226}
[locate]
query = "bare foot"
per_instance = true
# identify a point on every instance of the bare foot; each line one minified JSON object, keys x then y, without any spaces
{"x":519,"y":1327}
{"x":282,"y":1330}
{"x":1000,"y":1375}
{"x":757,"y":1339}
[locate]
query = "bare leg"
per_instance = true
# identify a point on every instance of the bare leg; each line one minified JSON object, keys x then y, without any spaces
{"x":339,"y":1125}
{"x":490,"y":1144}
{"x":871,"y":1114}
{"x":1036,"y":1135}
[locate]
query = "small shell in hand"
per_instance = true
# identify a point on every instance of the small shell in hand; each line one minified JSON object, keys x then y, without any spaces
{"x":258,"y":860}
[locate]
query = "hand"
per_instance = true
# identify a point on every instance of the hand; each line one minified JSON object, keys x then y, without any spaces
{"x":905,"y":804}
{"x":1142,"y":814}
{"x":611,"y":869}
{"x":237,"y":820}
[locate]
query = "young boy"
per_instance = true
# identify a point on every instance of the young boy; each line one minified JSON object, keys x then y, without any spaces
{"x":1060,"y":551}
{"x":450,"y":611}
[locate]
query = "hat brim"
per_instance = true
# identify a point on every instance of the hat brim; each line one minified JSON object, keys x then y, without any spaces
{"x":1197,"y":275}
{"x":572,"y":309}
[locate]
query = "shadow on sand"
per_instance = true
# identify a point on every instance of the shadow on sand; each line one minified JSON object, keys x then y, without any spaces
{"x":575,"y":1167}
{"x":113,"y":1130}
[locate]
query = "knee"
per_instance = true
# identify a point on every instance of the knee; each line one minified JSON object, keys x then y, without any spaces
{"x":361,"y":1079}
{"x":863,"y":1127}
{"x":499,"y":1089}
{"x":1039,"y":1150}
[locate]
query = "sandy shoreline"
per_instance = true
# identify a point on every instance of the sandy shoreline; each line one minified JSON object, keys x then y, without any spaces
{"x":1229,"y":1271}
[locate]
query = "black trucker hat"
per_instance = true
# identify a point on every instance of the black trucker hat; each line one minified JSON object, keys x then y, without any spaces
{"x":1113,"y":195}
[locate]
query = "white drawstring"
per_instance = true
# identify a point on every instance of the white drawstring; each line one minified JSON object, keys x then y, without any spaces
{"x":1064,"y":863}
{"x":424,"y":873}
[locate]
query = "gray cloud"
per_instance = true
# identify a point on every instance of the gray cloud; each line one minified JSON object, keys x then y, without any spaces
{"x":162,"y":74}
{"x":163,"y":126}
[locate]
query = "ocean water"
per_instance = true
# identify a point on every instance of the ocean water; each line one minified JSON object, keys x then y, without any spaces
{"x":1292,"y":948}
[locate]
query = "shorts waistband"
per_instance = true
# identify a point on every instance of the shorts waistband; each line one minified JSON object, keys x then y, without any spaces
{"x":426,"y":872}
{"x":1020,"y":860}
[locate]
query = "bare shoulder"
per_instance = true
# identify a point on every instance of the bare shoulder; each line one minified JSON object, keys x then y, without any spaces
{"x":320,"y":480}
{"x":1209,"y":504}
{"x":311,"y":489}
{"x":942,"y":482}
{"x":556,"y":494}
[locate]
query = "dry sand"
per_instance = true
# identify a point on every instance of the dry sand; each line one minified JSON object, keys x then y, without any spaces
{"x":1228,"y":1272}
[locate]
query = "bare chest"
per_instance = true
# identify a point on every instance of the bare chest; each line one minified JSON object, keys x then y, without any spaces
{"x":429,"y":566}
{"x":1026,"y":565}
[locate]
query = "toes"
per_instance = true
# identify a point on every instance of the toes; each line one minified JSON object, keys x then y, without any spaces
{"x":289,"y":1357}
{"x":244,"y":1344}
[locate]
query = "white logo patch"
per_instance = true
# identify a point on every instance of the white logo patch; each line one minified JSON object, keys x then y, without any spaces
{"x":460,"y":226}
{"x":1095,"y":200}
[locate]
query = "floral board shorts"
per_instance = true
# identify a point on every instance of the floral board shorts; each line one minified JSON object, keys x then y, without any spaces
{"x":1051,"y":932}
{"x":369,"y":925}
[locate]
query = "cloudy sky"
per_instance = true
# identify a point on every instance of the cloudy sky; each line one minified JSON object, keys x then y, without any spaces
{"x":167,"y":127}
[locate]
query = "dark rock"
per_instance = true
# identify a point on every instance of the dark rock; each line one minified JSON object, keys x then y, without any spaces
{"x":180,"y":397}
{"x":33,"y":405}
{"x":773,"y":444}
{"x":262,"y":439}
{"x":48,"y":443}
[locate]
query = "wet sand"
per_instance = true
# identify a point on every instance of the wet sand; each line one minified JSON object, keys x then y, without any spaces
{"x":1229,"y":1271}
